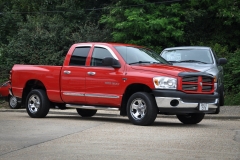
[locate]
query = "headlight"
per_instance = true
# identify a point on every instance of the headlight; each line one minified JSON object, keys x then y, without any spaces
{"x":165,"y":82}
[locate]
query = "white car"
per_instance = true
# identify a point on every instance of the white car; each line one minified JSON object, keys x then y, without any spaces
{"x":199,"y":58}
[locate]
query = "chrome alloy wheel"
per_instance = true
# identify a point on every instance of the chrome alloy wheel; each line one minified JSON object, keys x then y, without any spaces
{"x":34,"y":104}
{"x":13,"y":101}
{"x":138,"y":109}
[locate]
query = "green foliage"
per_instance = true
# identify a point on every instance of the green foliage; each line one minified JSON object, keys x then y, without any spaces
{"x":210,"y":22}
{"x":149,"y":25}
{"x":43,"y":37}
{"x":41,"y":32}
{"x":232,"y":72}
{"x":232,"y":99}
{"x":39,"y":41}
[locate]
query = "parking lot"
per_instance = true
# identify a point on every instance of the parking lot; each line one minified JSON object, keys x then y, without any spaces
{"x":66,"y":135}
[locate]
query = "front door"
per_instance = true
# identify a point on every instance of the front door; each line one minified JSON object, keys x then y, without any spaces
{"x":103,"y":83}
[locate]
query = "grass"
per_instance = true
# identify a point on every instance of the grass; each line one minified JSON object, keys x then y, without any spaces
{"x":4,"y":104}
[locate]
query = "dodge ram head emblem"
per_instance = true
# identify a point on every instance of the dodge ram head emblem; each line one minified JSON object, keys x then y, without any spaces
{"x":200,"y":83}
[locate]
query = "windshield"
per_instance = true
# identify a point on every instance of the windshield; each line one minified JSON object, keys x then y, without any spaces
{"x":188,"y":55}
{"x":134,"y":55}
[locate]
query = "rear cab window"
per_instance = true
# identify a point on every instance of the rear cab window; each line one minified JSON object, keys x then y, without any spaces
{"x":79,"y":56}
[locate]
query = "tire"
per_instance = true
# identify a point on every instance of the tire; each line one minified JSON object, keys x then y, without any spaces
{"x":86,"y":112}
{"x":221,"y":96}
{"x":218,"y":108}
{"x":192,"y":118}
{"x":142,"y":109}
{"x":37,"y":104}
{"x":13,"y":102}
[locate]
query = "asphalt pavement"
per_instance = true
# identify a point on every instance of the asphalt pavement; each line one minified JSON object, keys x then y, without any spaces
{"x":226,"y":112}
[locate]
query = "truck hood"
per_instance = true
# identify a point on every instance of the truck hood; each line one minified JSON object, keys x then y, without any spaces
{"x":207,"y":68}
{"x":162,"y":68}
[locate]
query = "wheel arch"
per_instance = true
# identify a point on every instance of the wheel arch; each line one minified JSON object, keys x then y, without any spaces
{"x":29,"y":86}
{"x":131,"y":89}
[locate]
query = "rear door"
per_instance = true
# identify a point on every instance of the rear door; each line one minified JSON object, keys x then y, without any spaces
{"x":73,"y":76}
{"x":103,"y":83}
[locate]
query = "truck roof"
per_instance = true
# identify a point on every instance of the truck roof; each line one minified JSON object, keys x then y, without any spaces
{"x":107,"y":43}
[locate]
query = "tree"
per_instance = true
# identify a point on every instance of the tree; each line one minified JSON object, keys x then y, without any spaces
{"x":150,"y":24}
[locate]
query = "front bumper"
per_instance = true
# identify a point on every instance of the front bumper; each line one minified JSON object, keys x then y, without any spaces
{"x":176,"y":102}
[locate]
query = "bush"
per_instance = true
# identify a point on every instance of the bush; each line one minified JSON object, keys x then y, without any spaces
{"x":232,"y":78}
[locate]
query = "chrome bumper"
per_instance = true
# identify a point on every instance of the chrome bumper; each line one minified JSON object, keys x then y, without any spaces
{"x":171,"y":102}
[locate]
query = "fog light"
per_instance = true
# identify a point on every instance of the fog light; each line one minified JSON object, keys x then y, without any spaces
{"x":174,"y":103}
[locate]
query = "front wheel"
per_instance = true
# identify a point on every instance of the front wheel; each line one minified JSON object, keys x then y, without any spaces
{"x":37,"y":104}
{"x":192,"y":118}
{"x":86,"y":112}
{"x":13,"y":103}
{"x":142,"y":109}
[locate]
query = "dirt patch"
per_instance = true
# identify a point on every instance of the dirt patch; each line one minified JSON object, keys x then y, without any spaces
{"x":4,"y":105}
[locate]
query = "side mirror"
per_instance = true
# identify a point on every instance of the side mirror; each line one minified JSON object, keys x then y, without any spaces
{"x":109,"y":61}
{"x":222,"y":61}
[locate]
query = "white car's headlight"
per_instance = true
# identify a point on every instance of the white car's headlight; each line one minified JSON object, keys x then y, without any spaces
{"x":165,"y":82}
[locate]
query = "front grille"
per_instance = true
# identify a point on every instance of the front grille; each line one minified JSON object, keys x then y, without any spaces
{"x":197,"y":84}
{"x":206,"y":79}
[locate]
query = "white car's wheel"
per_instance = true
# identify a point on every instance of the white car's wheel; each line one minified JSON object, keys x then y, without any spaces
{"x":13,"y":103}
{"x":192,"y":118}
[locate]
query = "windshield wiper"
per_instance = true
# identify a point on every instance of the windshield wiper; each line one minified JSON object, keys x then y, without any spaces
{"x":191,"y":61}
{"x":140,"y":62}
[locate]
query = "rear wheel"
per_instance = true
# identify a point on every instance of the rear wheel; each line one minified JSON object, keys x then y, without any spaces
{"x":86,"y":112}
{"x":142,"y":109}
{"x":13,"y":102}
{"x":192,"y":118}
{"x":37,"y":104}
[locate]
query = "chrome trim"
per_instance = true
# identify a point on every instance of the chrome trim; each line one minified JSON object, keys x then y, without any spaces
{"x":101,"y":96}
{"x":89,"y":95}
{"x":164,"y":102}
{"x":66,"y":72}
{"x":84,"y":45}
{"x":91,"y":73}
{"x":73,"y":94}
{"x":91,"y":107}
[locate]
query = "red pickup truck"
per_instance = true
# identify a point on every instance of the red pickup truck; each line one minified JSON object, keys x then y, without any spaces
{"x":111,"y":76}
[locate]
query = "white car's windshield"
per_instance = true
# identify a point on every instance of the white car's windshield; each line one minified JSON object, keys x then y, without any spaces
{"x":188,"y":55}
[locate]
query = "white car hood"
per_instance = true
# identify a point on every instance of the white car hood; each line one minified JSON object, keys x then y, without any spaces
{"x":208,"y":68}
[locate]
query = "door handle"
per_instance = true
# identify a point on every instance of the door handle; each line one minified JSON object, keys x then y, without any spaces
{"x":66,"y":72}
{"x":91,"y":73}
